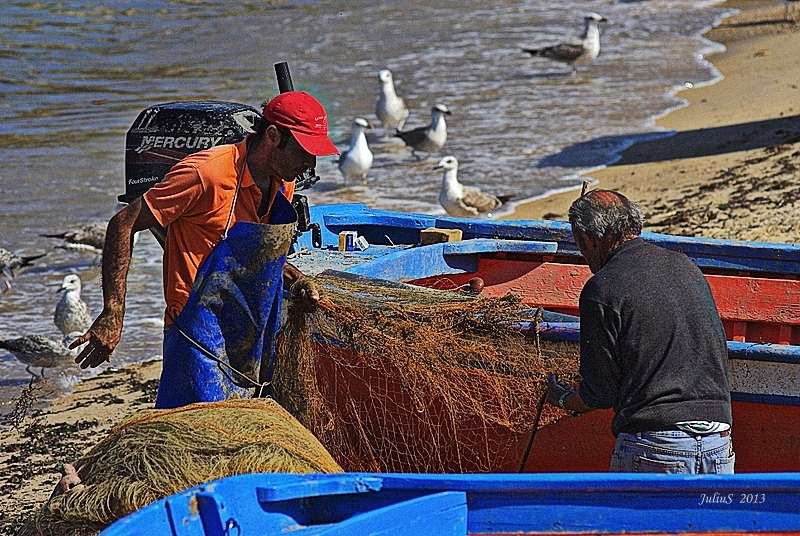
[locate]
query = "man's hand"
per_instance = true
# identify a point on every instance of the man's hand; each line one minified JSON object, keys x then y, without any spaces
{"x":556,"y":388}
{"x":102,"y":338}
{"x":306,"y":292}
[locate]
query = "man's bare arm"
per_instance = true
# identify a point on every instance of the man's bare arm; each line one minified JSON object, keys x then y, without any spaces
{"x":106,"y":331}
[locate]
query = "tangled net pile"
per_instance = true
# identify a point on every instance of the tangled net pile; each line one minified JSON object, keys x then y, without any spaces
{"x":156,"y":453}
{"x":397,"y":378}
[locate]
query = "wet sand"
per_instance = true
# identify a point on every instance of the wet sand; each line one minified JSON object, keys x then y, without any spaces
{"x":33,"y":452}
{"x":730,"y":171}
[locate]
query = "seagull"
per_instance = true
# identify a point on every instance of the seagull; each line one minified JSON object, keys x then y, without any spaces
{"x":41,"y":351}
{"x":579,"y":52}
{"x":11,"y":263}
{"x":356,"y":161}
{"x":72,"y":313}
{"x":89,"y":237}
{"x":428,"y":139}
{"x":390,"y":109}
{"x":458,"y":199}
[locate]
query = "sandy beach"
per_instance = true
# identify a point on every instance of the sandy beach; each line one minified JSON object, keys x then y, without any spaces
{"x":731,"y":168}
{"x":729,"y":171}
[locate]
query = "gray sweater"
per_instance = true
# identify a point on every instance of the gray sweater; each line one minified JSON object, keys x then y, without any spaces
{"x":652,"y":342}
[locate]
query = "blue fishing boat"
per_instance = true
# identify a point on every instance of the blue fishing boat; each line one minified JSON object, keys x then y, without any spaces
{"x":413,"y":504}
{"x":755,"y":284}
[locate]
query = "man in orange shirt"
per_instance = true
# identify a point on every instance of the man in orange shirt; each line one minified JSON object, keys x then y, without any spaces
{"x":199,"y":201}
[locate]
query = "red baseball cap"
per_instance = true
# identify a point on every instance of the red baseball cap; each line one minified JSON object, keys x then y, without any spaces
{"x":305,"y":118}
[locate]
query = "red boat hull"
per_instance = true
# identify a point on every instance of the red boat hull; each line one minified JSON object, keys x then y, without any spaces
{"x":387,"y":429}
{"x":394,"y":428}
{"x":752,"y":308}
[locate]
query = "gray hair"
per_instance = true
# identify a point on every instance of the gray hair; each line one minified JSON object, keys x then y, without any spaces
{"x":606,"y":215}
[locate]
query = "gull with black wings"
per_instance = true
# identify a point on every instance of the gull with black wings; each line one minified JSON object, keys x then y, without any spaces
{"x":428,"y":139}
{"x":577,"y":52}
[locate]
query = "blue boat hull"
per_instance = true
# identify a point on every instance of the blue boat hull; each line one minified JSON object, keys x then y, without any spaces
{"x":410,"y":504}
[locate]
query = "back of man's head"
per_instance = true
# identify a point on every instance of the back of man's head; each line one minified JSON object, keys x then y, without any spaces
{"x":606,"y":215}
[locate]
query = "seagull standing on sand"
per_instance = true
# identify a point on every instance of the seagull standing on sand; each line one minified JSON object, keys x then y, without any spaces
{"x":90,"y":237}
{"x":458,"y":199}
{"x":390,"y":109}
{"x":579,"y":52}
{"x":428,"y":139}
{"x":41,"y":351}
{"x":356,"y":161}
{"x":72,"y":313}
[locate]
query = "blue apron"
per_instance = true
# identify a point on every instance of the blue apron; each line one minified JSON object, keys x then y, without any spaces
{"x":216,"y":346}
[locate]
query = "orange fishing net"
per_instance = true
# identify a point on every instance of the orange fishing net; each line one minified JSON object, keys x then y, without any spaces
{"x":397,"y":378}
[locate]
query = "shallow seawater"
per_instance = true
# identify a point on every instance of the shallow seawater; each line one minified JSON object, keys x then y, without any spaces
{"x":75,"y":74}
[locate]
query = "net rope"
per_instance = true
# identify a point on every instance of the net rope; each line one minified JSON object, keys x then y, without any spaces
{"x":398,"y":378}
{"x":157,"y":453}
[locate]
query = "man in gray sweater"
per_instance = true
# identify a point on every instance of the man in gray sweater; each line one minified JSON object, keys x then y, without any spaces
{"x":652,"y":347}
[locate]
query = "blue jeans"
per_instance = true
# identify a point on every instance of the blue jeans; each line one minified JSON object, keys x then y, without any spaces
{"x":673,"y":452}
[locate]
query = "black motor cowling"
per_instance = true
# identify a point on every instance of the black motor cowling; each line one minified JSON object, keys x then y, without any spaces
{"x":164,"y":133}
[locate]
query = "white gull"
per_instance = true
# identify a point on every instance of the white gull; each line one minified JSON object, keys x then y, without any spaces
{"x":390,"y":109}
{"x":459,"y":199}
{"x":578,"y":52}
{"x":72,"y":313}
{"x":357,"y":160}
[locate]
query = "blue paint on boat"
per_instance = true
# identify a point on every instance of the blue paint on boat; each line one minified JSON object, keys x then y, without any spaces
{"x":442,"y":259}
{"x":416,"y":504}
{"x":389,"y":228}
{"x":779,"y":353}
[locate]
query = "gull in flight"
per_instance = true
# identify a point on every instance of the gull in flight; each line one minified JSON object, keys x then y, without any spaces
{"x":578,"y":52}
{"x":357,"y":160}
{"x":72,"y":313}
{"x":429,"y":139}
{"x":390,"y":109}
{"x":459,"y":199}
{"x":41,"y":351}
{"x":11,"y":264}
{"x":89,"y":237}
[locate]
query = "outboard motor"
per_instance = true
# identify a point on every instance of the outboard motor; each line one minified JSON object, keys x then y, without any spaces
{"x":165,"y":133}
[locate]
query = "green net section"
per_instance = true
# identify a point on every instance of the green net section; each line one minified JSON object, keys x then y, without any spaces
{"x":398,"y":378}
{"x":157,"y":453}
